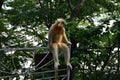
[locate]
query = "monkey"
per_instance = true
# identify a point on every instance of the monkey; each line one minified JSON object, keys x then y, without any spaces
{"x":57,"y":40}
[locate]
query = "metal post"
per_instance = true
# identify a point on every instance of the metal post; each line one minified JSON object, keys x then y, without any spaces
{"x":56,"y":74}
{"x":68,"y":73}
{"x":68,"y":68}
{"x":0,"y":59}
{"x":118,"y":66}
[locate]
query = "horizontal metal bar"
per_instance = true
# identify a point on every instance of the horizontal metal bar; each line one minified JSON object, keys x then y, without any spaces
{"x":35,"y":48}
{"x":10,"y":76}
{"x":47,"y":71}
{"x":51,"y":77}
{"x":20,"y":49}
{"x":15,"y":75}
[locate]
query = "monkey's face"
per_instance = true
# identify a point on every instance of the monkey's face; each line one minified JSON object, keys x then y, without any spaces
{"x":60,"y":22}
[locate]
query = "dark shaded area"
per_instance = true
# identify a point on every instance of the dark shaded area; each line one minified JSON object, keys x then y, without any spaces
{"x":39,"y":57}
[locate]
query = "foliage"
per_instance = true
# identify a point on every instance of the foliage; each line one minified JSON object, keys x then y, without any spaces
{"x":25,"y":23}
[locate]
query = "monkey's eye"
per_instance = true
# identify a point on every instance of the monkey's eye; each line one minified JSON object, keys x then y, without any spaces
{"x":63,"y":23}
{"x":58,"y":22}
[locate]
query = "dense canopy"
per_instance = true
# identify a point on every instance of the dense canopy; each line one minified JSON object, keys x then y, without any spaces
{"x":93,"y":27}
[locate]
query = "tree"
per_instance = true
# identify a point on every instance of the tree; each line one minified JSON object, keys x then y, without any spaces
{"x":33,"y":19}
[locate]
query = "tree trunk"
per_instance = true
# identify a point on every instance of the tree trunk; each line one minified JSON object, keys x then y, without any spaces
{"x":74,"y":12}
{"x":0,"y":59}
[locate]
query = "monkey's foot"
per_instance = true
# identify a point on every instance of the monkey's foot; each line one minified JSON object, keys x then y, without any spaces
{"x":68,"y":64}
{"x":56,"y":65}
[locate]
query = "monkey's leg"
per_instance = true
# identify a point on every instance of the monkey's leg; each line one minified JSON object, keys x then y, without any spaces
{"x":66,"y":52}
{"x":56,"y":60}
{"x":55,"y":55}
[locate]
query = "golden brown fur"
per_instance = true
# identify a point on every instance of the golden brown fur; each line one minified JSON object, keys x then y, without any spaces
{"x":57,"y":40}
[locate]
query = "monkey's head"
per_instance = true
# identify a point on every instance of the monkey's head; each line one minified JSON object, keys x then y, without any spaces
{"x":60,"y":22}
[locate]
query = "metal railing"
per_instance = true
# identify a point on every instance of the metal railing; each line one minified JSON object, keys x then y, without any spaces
{"x":84,"y":74}
{"x":32,"y":69}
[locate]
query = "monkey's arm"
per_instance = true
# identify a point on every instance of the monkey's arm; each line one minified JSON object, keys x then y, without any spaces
{"x":50,"y":38}
{"x":65,"y":38}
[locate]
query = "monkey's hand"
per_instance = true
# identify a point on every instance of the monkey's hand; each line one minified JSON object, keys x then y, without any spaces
{"x":69,"y":43}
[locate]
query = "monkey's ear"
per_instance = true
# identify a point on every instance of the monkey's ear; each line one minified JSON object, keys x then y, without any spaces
{"x":64,"y":22}
{"x":56,"y":21}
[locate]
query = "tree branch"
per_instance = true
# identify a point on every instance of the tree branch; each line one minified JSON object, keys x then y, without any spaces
{"x":80,"y":3}
{"x":70,"y":5}
{"x":1,"y":3}
{"x":76,"y":9}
